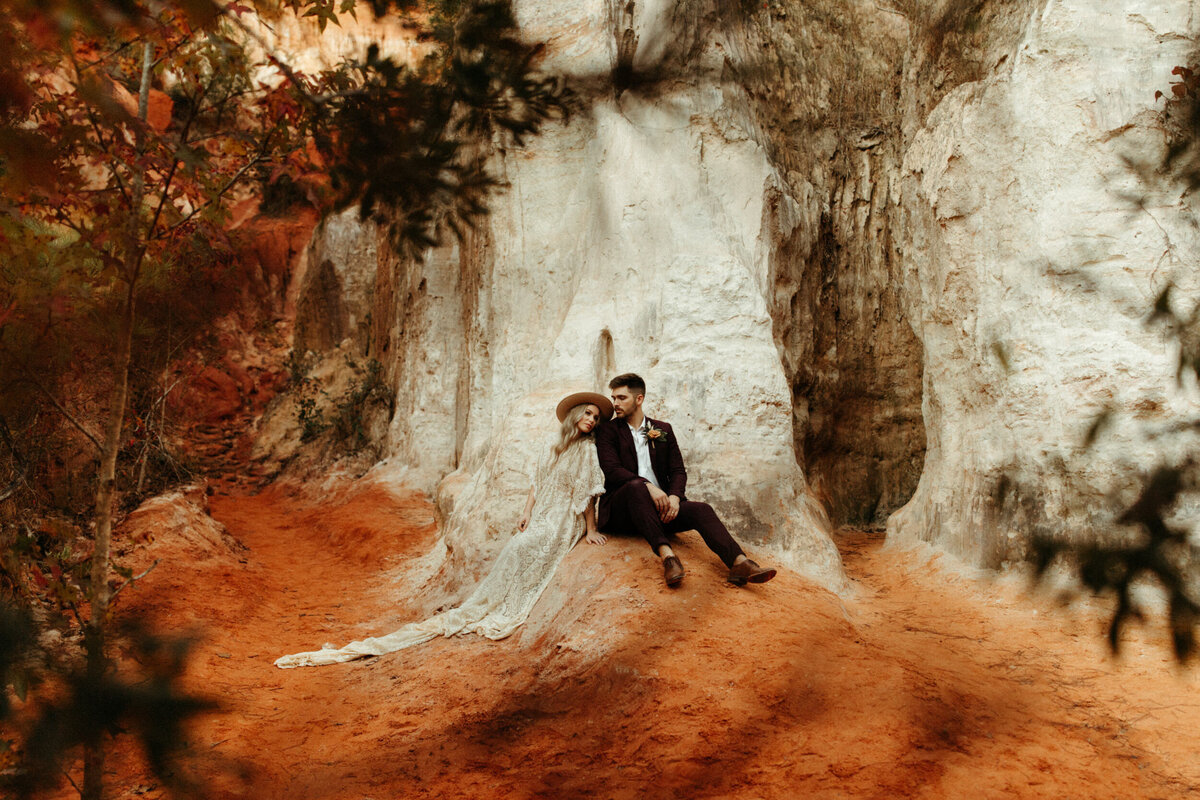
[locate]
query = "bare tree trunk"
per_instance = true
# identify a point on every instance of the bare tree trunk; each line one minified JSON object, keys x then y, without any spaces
{"x":93,"y":761}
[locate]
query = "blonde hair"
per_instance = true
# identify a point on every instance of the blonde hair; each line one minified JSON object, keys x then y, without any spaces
{"x":569,"y":432}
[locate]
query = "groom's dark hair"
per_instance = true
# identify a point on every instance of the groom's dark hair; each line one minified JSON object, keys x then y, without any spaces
{"x":629,"y":381}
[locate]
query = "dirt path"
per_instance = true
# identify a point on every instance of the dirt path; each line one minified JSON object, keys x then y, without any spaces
{"x":925,"y":684}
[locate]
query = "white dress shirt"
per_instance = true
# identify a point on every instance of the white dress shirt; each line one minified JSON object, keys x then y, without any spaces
{"x":642,"y":446}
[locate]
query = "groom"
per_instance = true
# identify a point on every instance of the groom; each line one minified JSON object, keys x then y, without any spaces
{"x":644,"y":481}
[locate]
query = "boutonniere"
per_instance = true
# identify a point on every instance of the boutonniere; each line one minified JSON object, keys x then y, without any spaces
{"x":654,"y":434}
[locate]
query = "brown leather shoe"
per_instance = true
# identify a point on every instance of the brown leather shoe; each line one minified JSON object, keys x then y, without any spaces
{"x":749,"y":572}
{"x":672,"y":571}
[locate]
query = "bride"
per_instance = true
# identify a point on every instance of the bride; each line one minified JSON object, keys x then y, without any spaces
{"x":561,"y":505}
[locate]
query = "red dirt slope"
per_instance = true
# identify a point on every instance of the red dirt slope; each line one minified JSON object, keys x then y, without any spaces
{"x":927,"y":684}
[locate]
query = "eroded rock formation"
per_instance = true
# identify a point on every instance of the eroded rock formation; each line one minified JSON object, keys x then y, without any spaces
{"x":849,"y":246}
{"x":1032,"y":255}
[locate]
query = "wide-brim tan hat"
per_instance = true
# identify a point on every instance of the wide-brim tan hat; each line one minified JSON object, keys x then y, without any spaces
{"x":572,"y":400}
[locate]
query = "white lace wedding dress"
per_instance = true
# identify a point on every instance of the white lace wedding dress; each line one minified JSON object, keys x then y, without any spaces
{"x":503,"y":600}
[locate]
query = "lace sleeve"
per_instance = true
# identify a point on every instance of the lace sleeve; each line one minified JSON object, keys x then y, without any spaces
{"x":589,"y":481}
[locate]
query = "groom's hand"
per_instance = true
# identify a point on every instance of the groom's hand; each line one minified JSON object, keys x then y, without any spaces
{"x":672,"y":509}
{"x":660,"y":499}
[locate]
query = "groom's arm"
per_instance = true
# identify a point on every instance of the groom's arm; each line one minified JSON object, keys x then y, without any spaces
{"x":676,"y":477}
{"x":615,"y":475}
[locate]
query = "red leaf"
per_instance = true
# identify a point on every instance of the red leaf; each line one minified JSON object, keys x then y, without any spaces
{"x":1157,"y":95}
{"x":1179,"y":89}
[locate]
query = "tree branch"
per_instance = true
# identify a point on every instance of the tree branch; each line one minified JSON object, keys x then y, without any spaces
{"x":91,"y":116}
{"x":71,"y":781}
{"x":134,"y":579}
{"x":22,"y":464}
{"x":183,"y":134}
{"x":104,"y":57}
{"x":237,"y":176}
{"x":67,"y":414}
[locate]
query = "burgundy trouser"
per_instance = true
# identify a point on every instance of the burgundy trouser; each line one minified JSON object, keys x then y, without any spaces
{"x":632,"y":509}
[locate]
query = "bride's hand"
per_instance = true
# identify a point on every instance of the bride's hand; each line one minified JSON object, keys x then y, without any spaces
{"x":596,"y":537}
{"x":523,"y":523}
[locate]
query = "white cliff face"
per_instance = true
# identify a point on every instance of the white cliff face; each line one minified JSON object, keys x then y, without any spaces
{"x":633,"y":240}
{"x":1029,"y":274}
{"x":337,"y":285}
{"x":300,"y":43}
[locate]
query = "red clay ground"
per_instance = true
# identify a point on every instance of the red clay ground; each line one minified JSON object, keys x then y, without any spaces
{"x":926,"y":684}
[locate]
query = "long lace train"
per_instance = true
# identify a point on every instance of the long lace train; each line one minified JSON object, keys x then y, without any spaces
{"x":503,"y":600}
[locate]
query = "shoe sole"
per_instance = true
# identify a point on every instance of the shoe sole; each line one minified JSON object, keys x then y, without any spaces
{"x":758,"y":577}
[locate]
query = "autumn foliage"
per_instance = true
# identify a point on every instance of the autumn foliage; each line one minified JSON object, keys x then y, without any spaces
{"x":129,"y":131}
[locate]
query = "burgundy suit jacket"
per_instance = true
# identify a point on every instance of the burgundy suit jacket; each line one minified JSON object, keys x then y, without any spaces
{"x":618,"y":461}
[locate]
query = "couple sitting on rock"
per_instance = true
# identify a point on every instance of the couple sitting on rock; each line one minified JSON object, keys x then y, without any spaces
{"x":632,"y":464}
